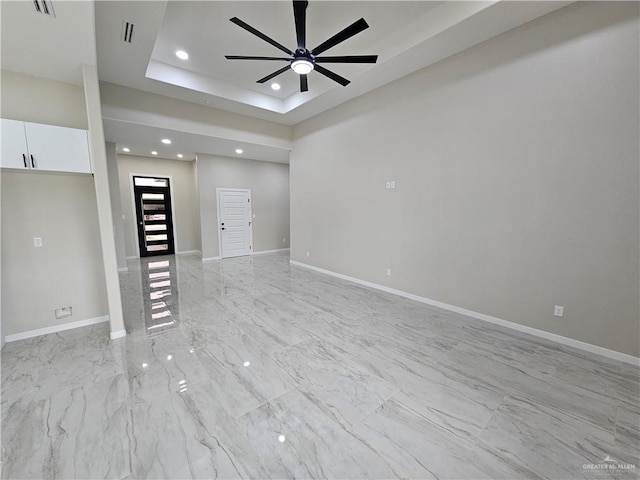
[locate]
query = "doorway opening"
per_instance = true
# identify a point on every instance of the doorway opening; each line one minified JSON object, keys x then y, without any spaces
{"x":235,"y":233}
{"x":153,"y":216}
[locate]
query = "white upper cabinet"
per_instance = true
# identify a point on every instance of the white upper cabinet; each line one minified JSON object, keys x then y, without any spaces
{"x":14,"y":145}
{"x":59,"y":149}
{"x":35,"y":146}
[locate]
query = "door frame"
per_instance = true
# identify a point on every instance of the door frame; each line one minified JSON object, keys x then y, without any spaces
{"x":134,"y":216}
{"x":219,"y":226}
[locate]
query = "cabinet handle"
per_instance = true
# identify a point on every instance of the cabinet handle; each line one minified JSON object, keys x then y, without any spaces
{"x":24,"y":159}
{"x":33,"y":164}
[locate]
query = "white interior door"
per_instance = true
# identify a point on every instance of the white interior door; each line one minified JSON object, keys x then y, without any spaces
{"x":234,"y":228}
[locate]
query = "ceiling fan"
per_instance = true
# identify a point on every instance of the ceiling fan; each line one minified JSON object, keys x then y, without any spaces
{"x":302,"y":60}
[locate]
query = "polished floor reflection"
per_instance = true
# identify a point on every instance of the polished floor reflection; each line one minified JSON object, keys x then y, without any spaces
{"x":249,"y":367}
{"x":159,"y":279}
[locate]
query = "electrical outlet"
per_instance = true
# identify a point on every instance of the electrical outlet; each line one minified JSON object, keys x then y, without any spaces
{"x":63,"y":312}
{"x":558,"y":310}
{"x":388,"y":272}
{"x":307,"y":254}
{"x":284,"y":240}
{"x":37,"y":241}
{"x":393,"y":184}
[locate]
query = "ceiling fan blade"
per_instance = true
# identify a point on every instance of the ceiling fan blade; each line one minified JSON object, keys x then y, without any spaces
{"x":304,"y":84}
{"x":333,"y":76}
{"x":300,"y":17}
{"x":243,"y":57}
{"x":353,"y":29}
{"x":259,"y":34}
{"x":274,"y":74}
{"x":348,"y":59}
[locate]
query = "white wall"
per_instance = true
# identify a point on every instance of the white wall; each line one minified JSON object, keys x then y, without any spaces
{"x":183,"y":188}
{"x":269,"y":184}
{"x":103,"y":199}
{"x":60,"y":208}
{"x":516,"y":165}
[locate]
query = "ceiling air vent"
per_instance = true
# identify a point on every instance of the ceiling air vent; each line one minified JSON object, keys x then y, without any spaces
{"x":127,"y":32}
{"x":44,"y":7}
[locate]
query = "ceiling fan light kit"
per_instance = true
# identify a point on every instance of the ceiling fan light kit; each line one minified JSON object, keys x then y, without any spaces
{"x":303,"y":61}
{"x":301,"y":66}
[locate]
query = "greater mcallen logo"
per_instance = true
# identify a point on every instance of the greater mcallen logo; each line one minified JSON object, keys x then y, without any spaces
{"x":608,"y":464}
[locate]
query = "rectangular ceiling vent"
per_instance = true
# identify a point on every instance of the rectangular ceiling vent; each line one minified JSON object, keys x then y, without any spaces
{"x":44,"y":7}
{"x":127,"y":31}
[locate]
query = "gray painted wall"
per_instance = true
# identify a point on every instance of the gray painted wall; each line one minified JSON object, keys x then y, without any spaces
{"x":269,"y":184}
{"x":60,"y":208}
{"x":184,"y":195}
{"x":67,"y":270}
{"x":516,"y":170}
{"x":116,"y":204}
{"x":39,"y":100}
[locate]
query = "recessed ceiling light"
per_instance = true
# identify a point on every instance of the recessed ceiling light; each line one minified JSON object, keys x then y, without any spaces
{"x":275,"y":86}
{"x":179,"y":155}
{"x":125,"y":149}
{"x":153,"y":152}
{"x":166,"y":141}
{"x":239,"y":151}
{"x":182,"y":55}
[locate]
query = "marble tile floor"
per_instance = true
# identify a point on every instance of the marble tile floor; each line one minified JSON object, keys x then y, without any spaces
{"x":252,"y":368}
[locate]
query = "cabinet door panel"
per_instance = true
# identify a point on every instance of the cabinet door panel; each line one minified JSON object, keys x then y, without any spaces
{"x":59,"y":149}
{"x":14,"y":144}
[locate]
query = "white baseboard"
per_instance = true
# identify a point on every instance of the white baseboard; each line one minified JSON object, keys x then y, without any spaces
{"x":189,"y":252}
{"x":118,"y":334}
{"x":56,"y":328}
{"x":588,"y":347}
{"x":213,"y":259}
{"x":123,"y":269}
{"x":262,"y":252}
